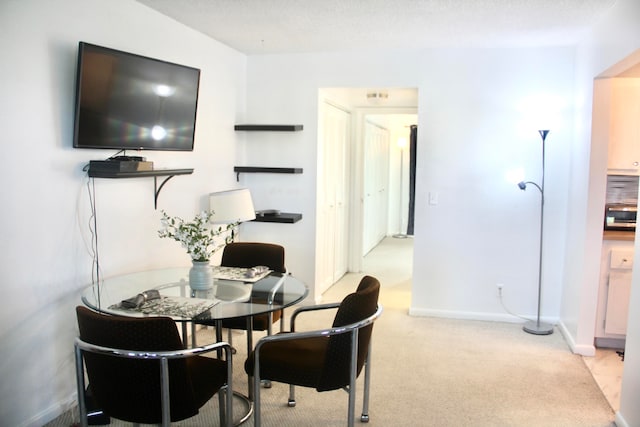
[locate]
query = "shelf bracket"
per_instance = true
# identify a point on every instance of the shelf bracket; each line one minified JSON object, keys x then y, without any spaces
{"x":157,"y":189}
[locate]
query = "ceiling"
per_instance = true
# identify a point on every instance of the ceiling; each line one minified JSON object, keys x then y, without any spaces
{"x":297,"y":26}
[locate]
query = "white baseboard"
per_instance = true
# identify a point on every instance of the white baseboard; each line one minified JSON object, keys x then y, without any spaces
{"x":620,"y":421}
{"x":468,"y":315}
{"x":51,"y":413}
{"x":581,"y":349}
{"x":588,"y":350}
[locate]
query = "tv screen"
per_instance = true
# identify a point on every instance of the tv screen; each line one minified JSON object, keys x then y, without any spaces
{"x":130,"y":102}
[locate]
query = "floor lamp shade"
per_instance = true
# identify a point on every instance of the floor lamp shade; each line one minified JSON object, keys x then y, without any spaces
{"x":232,"y":206}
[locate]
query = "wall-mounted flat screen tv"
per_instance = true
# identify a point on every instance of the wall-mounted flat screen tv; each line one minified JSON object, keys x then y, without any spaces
{"x":131,"y":102}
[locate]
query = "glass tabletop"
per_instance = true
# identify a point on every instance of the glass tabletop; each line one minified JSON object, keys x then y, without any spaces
{"x":227,"y":299}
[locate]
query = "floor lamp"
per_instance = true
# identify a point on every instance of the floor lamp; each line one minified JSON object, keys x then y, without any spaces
{"x":536,"y":327}
{"x":401,"y":144}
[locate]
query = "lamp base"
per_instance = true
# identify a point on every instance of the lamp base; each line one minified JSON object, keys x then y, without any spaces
{"x":400,"y":236}
{"x":538,"y":328}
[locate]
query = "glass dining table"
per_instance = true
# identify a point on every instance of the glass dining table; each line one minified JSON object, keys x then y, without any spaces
{"x":174,"y":298}
{"x":225,"y":300}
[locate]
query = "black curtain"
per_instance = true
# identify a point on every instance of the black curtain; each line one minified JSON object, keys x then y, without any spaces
{"x":412,"y":177}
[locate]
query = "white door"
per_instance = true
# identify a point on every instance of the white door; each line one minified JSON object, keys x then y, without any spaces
{"x":376,"y":172}
{"x":333,"y":213}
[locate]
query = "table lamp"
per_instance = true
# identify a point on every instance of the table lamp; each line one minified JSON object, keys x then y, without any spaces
{"x":231,"y":207}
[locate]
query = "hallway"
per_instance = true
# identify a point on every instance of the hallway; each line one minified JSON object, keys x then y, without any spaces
{"x":391,"y":262}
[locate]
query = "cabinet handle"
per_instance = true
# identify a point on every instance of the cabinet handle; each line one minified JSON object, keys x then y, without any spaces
{"x":635,"y":163}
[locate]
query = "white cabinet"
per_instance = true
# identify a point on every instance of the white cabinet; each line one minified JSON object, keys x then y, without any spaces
{"x":624,"y":128}
{"x":618,"y":291}
{"x":615,"y":286}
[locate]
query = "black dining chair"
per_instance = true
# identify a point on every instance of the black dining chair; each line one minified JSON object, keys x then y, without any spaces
{"x":139,"y":371}
{"x":248,"y":255}
{"x":327,"y":359}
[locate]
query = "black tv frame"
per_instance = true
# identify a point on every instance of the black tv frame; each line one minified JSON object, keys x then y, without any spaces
{"x":126,"y":102}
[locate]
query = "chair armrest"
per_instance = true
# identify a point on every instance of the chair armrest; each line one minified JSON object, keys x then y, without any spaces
{"x":309,"y":308}
{"x":169,"y":354}
{"x":318,"y":332}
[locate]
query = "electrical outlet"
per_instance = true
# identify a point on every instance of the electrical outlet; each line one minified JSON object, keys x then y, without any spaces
{"x":499,"y":286}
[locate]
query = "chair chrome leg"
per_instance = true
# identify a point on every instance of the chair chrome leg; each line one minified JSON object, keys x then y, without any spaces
{"x":82,"y":406}
{"x":292,"y":396}
{"x":225,"y":403}
{"x":267,"y":383}
{"x":222,"y":407}
{"x":352,"y":379}
{"x":367,"y":379}
{"x":256,"y":399}
{"x":164,"y":392}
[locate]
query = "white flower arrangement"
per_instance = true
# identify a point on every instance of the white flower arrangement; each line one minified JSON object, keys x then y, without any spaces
{"x":197,"y":237}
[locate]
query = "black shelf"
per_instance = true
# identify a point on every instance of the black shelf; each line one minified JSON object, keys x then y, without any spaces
{"x":138,"y":174}
{"x":260,"y":169}
{"x":270,"y":128}
{"x":168,"y":173}
{"x":283,"y":217}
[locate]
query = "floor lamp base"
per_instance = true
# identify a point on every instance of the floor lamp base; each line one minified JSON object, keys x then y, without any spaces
{"x":538,"y":328}
{"x":400,"y":236}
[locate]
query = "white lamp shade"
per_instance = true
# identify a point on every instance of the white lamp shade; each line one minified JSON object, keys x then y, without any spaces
{"x":231,"y":206}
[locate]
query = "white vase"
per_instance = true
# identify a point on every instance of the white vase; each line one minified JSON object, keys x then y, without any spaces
{"x":201,"y":276}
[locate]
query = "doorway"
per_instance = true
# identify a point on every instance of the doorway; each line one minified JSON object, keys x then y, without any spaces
{"x":392,"y":117}
{"x":607,"y":365}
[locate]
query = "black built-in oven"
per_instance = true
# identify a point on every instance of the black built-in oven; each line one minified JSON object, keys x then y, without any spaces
{"x":620,"y":217}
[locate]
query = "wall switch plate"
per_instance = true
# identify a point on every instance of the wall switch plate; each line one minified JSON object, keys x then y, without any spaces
{"x":433,"y":197}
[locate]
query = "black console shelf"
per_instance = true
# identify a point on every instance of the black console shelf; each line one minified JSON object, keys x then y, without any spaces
{"x":283,"y":217}
{"x":168,"y":173}
{"x":270,"y":128}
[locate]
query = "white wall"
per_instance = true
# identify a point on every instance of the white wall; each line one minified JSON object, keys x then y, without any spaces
{"x":44,"y":214}
{"x":484,"y":230}
{"x":615,"y":37}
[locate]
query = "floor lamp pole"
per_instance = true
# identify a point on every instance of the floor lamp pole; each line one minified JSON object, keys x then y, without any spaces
{"x":400,"y":235}
{"x":537,"y":327}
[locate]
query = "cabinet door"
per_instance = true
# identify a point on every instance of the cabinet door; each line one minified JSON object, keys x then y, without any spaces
{"x":618,"y":301}
{"x":624,"y":136}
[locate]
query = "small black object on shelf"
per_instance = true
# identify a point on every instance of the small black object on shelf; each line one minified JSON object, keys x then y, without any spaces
{"x":114,"y":165}
{"x":282,"y":217}
{"x":267,"y":212}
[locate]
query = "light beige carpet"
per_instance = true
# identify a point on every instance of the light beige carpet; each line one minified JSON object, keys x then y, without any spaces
{"x":437,"y":372}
